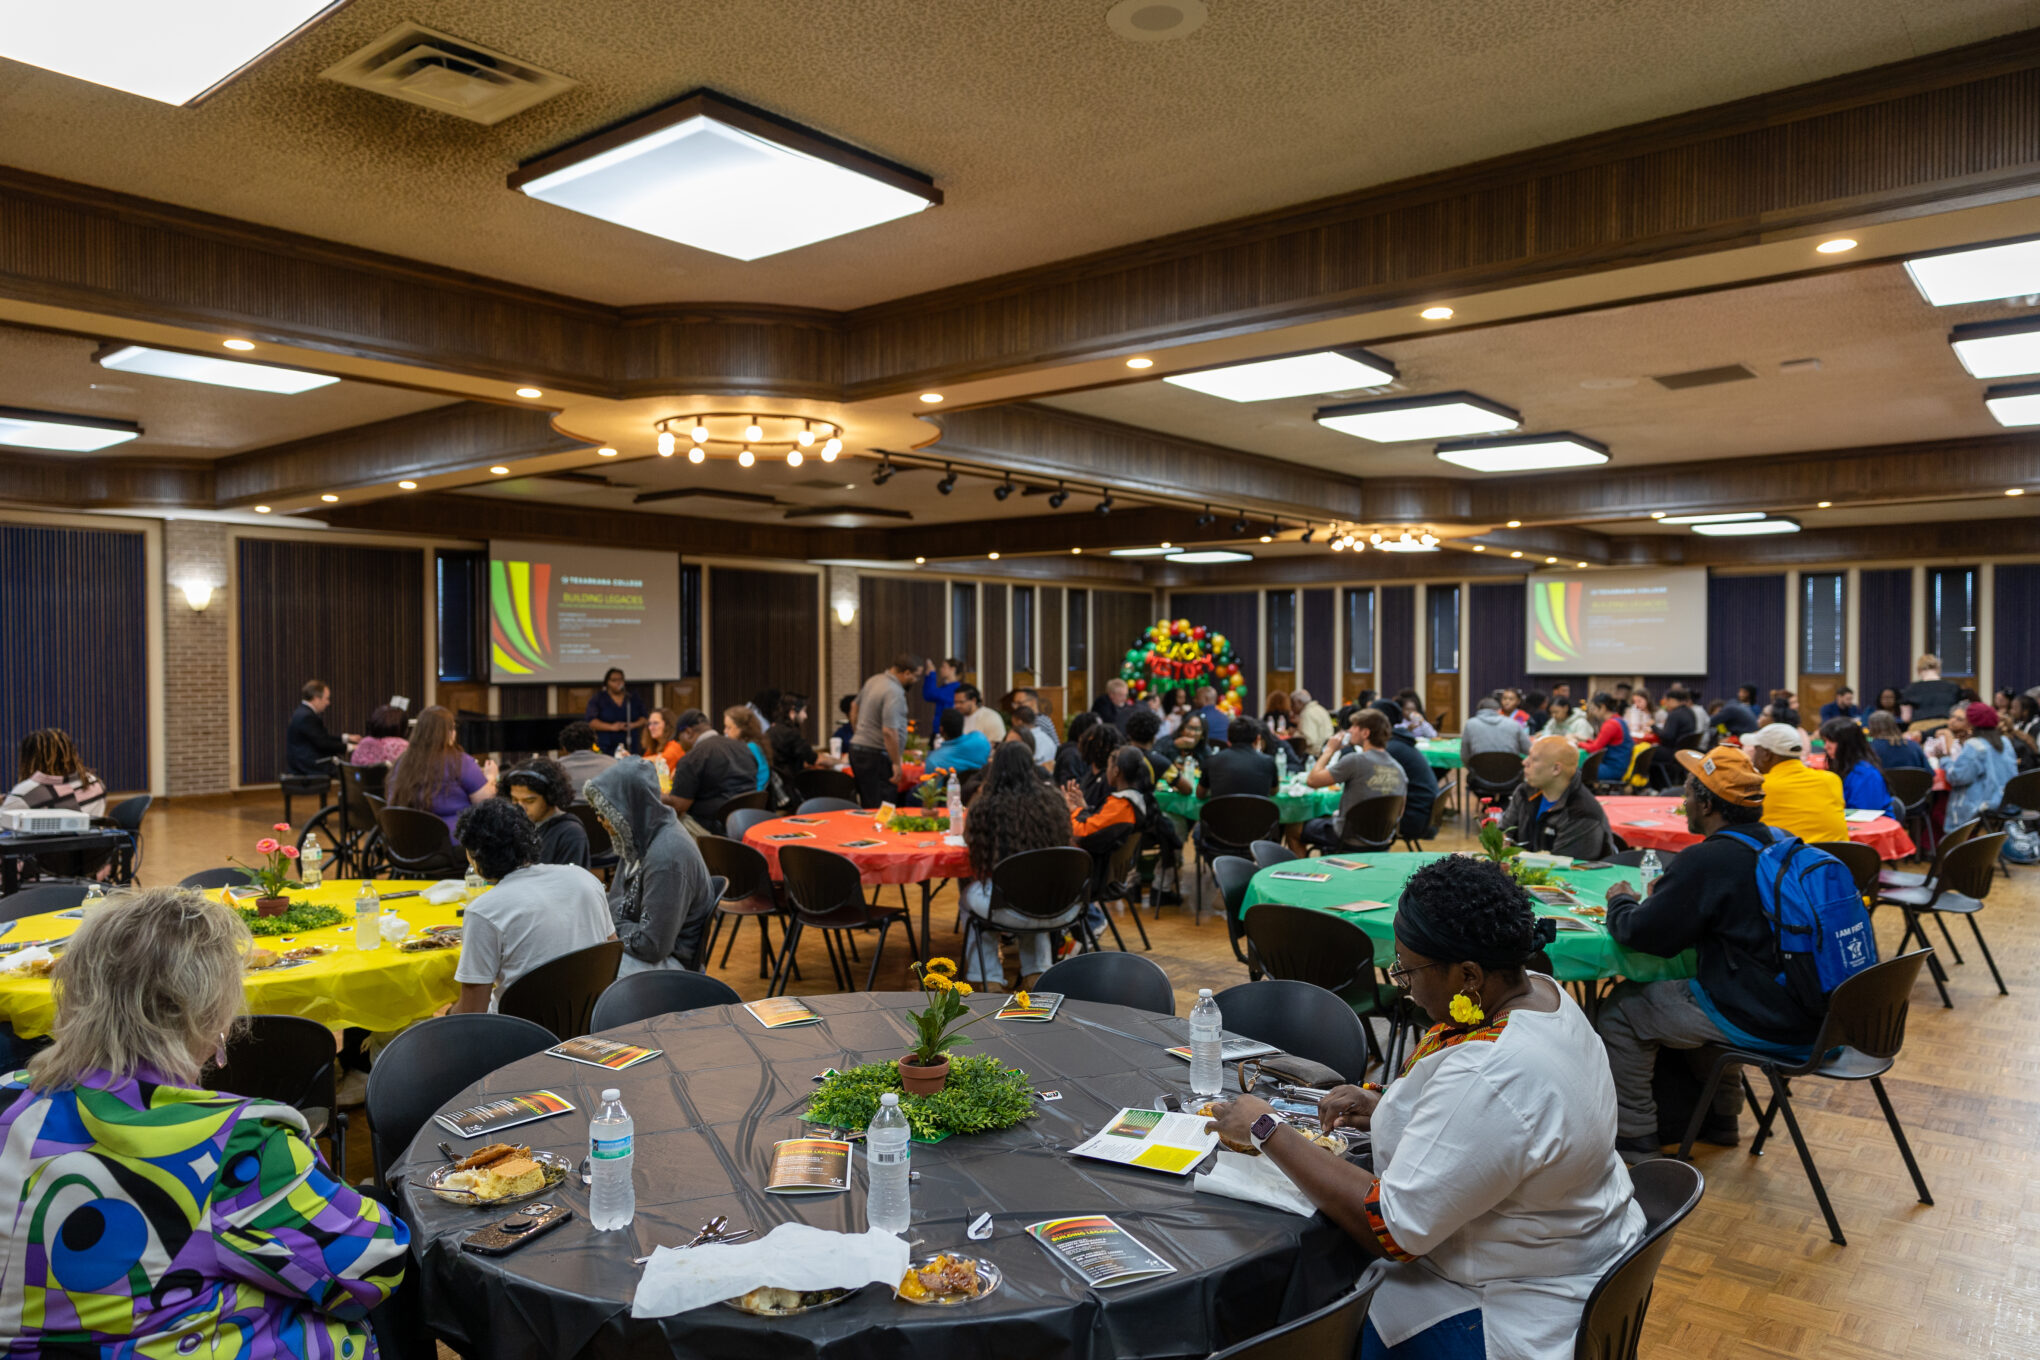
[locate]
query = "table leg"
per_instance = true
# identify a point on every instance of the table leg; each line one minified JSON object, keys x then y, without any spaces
{"x":10,"y":874}
{"x":927,"y":906}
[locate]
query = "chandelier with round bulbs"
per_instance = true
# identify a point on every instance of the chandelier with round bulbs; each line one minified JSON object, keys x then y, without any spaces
{"x":748,"y":436}
{"x":1355,"y":538}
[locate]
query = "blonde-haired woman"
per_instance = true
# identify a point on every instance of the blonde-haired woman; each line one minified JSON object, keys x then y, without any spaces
{"x":148,"y":1215}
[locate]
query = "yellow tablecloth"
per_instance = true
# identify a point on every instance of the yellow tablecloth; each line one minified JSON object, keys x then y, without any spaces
{"x":379,"y":990}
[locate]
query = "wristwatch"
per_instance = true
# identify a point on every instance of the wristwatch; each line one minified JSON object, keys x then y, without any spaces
{"x":1263,"y":1129}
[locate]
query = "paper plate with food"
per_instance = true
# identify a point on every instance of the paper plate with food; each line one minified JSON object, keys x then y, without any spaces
{"x":772,"y":1301}
{"x":947,"y":1279}
{"x":501,"y":1173}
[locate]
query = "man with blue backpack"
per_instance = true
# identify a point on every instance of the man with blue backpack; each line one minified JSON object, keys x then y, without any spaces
{"x":1776,"y":926}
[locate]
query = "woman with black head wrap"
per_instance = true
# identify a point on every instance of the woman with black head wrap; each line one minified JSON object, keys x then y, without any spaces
{"x":1497,"y":1199}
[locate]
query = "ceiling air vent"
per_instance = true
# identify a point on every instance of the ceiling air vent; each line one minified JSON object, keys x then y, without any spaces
{"x":1703,"y":377}
{"x":422,"y":66}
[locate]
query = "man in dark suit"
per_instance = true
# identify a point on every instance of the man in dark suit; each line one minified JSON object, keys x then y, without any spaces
{"x":307,"y":742}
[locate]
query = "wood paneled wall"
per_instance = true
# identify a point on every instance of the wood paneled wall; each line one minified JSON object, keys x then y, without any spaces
{"x":1396,"y":622}
{"x":895,"y":615}
{"x":75,"y":604}
{"x":351,"y":615}
{"x":995,"y":671}
{"x":763,"y":631}
{"x":1118,"y":618}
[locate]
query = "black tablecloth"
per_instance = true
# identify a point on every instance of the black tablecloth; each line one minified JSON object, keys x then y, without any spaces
{"x":708,"y":1111}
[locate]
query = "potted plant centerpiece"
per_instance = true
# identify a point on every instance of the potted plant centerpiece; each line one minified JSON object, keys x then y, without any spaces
{"x":274,"y":875}
{"x":924,"y":1071}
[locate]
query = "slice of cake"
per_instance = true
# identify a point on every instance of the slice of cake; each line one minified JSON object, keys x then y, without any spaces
{"x":511,"y":1176}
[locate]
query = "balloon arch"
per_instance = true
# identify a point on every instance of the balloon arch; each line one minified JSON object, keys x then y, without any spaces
{"x":1181,"y":655}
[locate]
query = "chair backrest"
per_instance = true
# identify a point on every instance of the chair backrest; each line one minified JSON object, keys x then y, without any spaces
{"x":1946,"y":845}
{"x":1050,"y":884}
{"x":1490,"y":770}
{"x":432,"y":1062}
{"x":1310,"y":946}
{"x":284,"y":1058}
{"x":413,"y":837}
{"x":38,"y":898}
{"x":743,"y":819}
{"x":1267,"y":853}
{"x":1371,"y":823}
{"x":1233,"y":874}
{"x":1441,"y":807}
{"x":1666,"y":1190}
{"x":560,"y":994}
{"x":1113,"y":977}
{"x":819,"y":882}
{"x":1909,"y":786}
{"x":2022,"y":791}
{"x":1237,"y":820}
{"x":127,"y":814}
{"x":1861,"y":861}
{"x":665,"y":991}
{"x":357,"y":784}
{"x":599,"y":842}
{"x":1330,"y":1333}
{"x":739,"y":866}
{"x":1117,"y":878}
{"x":1969,"y":868}
{"x":1300,"y":1019}
{"x":1630,"y":859}
{"x":829,"y":802}
{"x":759,"y":800}
{"x":826,"y":784}
{"x":1867,"y":1012}
{"x":226,"y":876}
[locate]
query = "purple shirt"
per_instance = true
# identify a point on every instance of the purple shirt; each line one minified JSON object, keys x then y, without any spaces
{"x":448,"y":801}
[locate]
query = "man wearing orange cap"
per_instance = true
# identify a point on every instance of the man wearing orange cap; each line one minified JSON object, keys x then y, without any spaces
{"x":1707,"y":901}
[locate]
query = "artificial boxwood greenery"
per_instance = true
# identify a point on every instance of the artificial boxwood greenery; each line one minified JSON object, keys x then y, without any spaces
{"x":982,"y":1094}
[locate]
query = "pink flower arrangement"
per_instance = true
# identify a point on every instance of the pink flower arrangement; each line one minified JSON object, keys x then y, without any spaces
{"x":268,"y":845}
{"x":275,"y":874}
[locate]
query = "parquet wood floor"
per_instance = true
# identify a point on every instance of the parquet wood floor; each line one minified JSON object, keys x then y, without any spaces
{"x":1752,"y":1272}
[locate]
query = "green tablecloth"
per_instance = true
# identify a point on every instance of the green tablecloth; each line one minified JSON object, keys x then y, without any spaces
{"x":1441,"y":753}
{"x":1576,"y":956}
{"x":1296,"y":807}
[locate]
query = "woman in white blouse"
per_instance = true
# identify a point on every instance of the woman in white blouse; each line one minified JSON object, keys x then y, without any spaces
{"x":1497,"y":1198}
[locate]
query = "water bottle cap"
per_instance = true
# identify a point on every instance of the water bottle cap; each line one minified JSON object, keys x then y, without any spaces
{"x":1204,"y":991}
{"x":611,"y":1094}
{"x":888,"y":1099}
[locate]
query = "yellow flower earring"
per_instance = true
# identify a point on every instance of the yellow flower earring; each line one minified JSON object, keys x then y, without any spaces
{"x":1465,"y":1010}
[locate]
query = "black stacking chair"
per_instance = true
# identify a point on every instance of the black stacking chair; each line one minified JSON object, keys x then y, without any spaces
{"x":1858,"y":1040}
{"x":127,"y":815}
{"x":736,"y":823}
{"x":826,"y":893}
{"x":1441,"y":808}
{"x":749,"y":892}
{"x":1270,"y":853}
{"x":1301,"y":945}
{"x":1233,"y":874}
{"x":1330,"y":1333}
{"x":418,"y":844}
{"x":1118,"y":880}
{"x":826,"y":804}
{"x":1914,"y":789}
{"x":294,"y":1062}
{"x":601,"y":848}
{"x":1050,"y":889}
{"x":561,"y":994}
{"x":226,"y":876}
{"x":826,"y":784}
{"x":1967,"y":873}
{"x":1613,"y":1321}
{"x":1118,"y":979}
{"x":665,"y":991}
{"x":1861,"y":861}
{"x":1370,"y":824}
{"x":758,"y":801}
{"x":432,"y":1062}
{"x":1231,"y":823}
{"x":1303,"y":1020}
{"x":1493,"y":776}
{"x":38,"y":898}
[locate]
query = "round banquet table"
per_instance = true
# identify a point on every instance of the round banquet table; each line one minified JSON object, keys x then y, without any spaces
{"x":1656,"y":824}
{"x":1576,"y":955}
{"x":923,"y":857}
{"x":1441,"y":753}
{"x":381,"y":989}
{"x":1298,"y":803}
{"x":724,"y":1090}
{"x":1817,"y":760}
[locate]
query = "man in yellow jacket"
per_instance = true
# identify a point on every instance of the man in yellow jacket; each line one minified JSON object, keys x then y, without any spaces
{"x":1799,"y":801}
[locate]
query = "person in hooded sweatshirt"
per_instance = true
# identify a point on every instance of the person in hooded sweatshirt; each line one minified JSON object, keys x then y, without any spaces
{"x":661,"y":898}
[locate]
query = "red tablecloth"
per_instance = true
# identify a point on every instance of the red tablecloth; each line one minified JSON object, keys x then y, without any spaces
{"x":910,"y":857}
{"x":1653,"y":824}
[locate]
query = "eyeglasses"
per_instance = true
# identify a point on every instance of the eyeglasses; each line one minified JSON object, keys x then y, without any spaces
{"x":1400,"y":973}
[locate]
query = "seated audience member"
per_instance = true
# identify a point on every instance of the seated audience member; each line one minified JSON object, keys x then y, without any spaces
{"x":1850,"y":759}
{"x":1420,"y":793}
{"x":1279,"y":718}
{"x":792,"y":752}
{"x":1640,"y":716}
{"x":1014,"y":811}
{"x":660,"y":738}
{"x":979,"y":716}
{"x":717,"y":769}
{"x":1553,"y":810}
{"x":149,"y":1210}
{"x":1843,"y":705}
{"x":1114,"y":704}
{"x":1363,"y":769}
{"x":1889,"y":743}
{"x":1487,"y":730}
{"x":740,"y":724}
{"x":1215,"y":718}
{"x":1536,"y":711}
{"x":1097,"y":747}
{"x":1313,"y":723}
{"x":1680,"y":727}
{"x":435,"y":775}
{"x":1044,"y":720}
{"x":578,"y":756}
{"x":1511,"y":700}
{"x":692,"y":726}
{"x":1746,"y":695}
{"x":1785,"y":714}
{"x":2023,"y":728}
{"x":1563,"y":720}
{"x":939,"y":684}
{"x":1736,"y":719}
{"x":1983,"y":762}
{"x":1497,"y":1198}
{"x":1928,"y":696}
{"x":960,"y":751}
{"x":1611,"y":739}
{"x":52,"y":777}
{"x":541,"y":788}
{"x":1142,"y":728}
{"x":1415,"y":723}
{"x":660,"y":899}
{"x":615,"y":714}
{"x":532,"y":913}
{"x":1240,"y":767}
{"x":307,"y":745}
{"x":1192,"y":740}
{"x":847,"y":706}
{"x":1561,"y":689}
{"x":1708,"y":900}
{"x":1027,"y":729}
{"x":1128,"y":790}
{"x":1069,"y":756}
{"x":1798,"y":800}
{"x":383,"y":743}
{"x":1888,"y":702}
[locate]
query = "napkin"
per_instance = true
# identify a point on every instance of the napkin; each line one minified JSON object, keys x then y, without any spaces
{"x":791,"y":1256}
{"x":22,"y":958}
{"x":1256,"y":1180}
{"x":446,"y":890}
{"x":394,"y":929}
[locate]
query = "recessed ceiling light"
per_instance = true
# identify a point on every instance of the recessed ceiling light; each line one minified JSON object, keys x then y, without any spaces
{"x":2014,"y":404}
{"x":993,"y":556}
{"x":175,"y":51}
{"x":931,"y":397}
{"x":1523,"y":453}
{"x":25,"y":429}
{"x":1296,"y":375}
{"x":500,"y":471}
{"x":529,"y":393}
{"x":261,"y":509}
{"x":721,"y":176}
{"x":1748,"y":528}
{"x":1657,"y":514}
{"x":1515,"y":524}
{"x":1150,"y":21}
{"x":1076,"y":552}
{"x":1579,"y":564}
{"x":1837,"y":246}
{"x":242,"y":345}
{"x":1515,"y":554}
{"x":2015,"y":491}
{"x":1436,"y":314}
{"x":329,"y":498}
{"x":164,"y":363}
{"x":1208,"y":555}
{"x":1997,"y":349}
{"x":407,"y":486}
{"x":1400,"y":419}
{"x":1550,"y":561}
{"x":1141,"y":552}
{"x":606,"y":452}
{"x":1725,"y":517}
{"x":920,"y":561}
{"x":1140,"y":363}
{"x":1480,"y":547}
{"x":1822,"y":505}
{"x":1980,"y":275}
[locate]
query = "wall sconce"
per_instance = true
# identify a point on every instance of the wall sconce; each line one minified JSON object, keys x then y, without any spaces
{"x":196,"y":595}
{"x":846,"y":612}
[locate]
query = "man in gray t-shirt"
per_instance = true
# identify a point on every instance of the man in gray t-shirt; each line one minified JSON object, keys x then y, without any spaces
{"x":879,"y":740}
{"x":533,"y":913}
{"x":1362,"y":768}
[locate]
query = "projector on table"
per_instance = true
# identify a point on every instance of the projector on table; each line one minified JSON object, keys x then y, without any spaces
{"x":44,"y":821}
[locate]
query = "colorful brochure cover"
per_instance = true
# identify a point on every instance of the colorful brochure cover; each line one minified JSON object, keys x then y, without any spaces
{"x":1154,"y":1139}
{"x":809,"y":1166}
{"x":1098,"y":1251}
{"x":1040,"y":1008}
{"x":778,"y":1012}
{"x":602,"y":1053}
{"x":504,"y":1112}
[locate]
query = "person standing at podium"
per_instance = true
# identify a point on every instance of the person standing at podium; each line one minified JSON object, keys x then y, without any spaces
{"x":616,"y":714}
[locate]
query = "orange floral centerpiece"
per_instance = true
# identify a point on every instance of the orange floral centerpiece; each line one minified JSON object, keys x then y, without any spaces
{"x":924,"y":1071}
{"x":275,"y":874}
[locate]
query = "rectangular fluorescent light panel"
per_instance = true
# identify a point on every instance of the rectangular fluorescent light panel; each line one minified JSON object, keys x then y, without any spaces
{"x":1143,"y":552}
{"x":165,"y":363}
{"x":1445,"y":416}
{"x":1530,"y":453}
{"x":1299,"y":375}
{"x":2014,"y":405}
{"x":169,"y":50}
{"x":1994,"y":350}
{"x":1731,"y":517}
{"x":707,"y":183}
{"x":61,"y":433}
{"x":1211,"y":555}
{"x":1978,"y":275}
{"x":1748,"y":528}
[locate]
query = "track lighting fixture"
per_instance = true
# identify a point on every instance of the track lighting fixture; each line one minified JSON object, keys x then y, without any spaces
{"x":1003,"y":490}
{"x":1239,"y":526}
{"x":884,"y":473}
{"x":1309,"y":532}
{"x":948,"y":483}
{"x":1062,"y":494}
{"x":1105,"y":506}
{"x":1207,"y":519}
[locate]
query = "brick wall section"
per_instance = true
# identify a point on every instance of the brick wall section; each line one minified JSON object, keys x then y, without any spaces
{"x":846,"y":671}
{"x":198,"y":718}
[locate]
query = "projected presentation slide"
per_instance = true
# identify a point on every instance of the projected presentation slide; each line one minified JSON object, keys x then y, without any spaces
{"x":565,"y":613}
{"x":1651,"y":622}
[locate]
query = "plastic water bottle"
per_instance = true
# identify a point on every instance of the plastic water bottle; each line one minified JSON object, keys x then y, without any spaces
{"x":310,"y":863}
{"x":955,"y":805}
{"x":474,"y":885}
{"x":1649,"y":869}
{"x":612,"y":1198}
{"x":888,"y":1205}
{"x":1207,"y":1047}
{"x":367,"y":918}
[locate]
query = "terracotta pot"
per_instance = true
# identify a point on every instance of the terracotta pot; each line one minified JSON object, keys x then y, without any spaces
{"x":923,"y":1081}
{"x":271,"y":906}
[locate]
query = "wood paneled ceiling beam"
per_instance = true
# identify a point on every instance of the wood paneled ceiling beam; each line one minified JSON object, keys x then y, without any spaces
{"x":492,"y":517}
{"x":75,"y":483}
